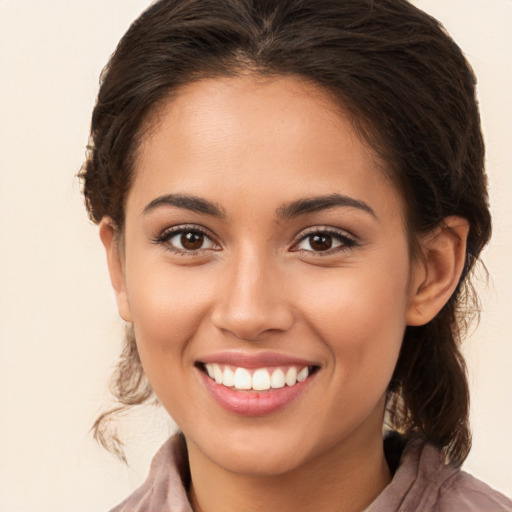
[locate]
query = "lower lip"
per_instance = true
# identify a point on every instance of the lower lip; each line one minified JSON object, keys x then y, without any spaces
{"x":254,"y":403}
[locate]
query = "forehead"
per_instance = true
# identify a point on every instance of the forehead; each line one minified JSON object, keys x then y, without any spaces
{"x":276,"y":137}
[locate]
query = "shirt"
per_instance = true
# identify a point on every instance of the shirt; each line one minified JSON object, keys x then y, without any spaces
{"x":422,"y":482}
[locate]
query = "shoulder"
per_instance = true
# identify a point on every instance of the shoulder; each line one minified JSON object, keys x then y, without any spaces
{"x":466,"y":493}
{"x":165,"y":489}
{"x":424,"y":483}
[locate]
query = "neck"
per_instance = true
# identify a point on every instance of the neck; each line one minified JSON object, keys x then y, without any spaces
{"x":344,"y":479}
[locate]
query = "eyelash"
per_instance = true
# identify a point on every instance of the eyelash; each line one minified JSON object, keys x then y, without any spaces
{"x":167,"y":235}
{"x":346,"y":242}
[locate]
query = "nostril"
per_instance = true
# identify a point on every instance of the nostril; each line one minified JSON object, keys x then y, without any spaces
{"x":251,"y":303}
{"x":254,"y":324}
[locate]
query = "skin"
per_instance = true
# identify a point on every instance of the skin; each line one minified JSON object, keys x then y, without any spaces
{"x":256,"y":282}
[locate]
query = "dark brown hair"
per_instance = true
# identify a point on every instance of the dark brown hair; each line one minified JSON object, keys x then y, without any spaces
{"x":411,"y":95}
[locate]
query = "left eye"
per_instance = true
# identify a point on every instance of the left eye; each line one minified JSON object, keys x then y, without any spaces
{"x":323,"y":242}
{"x":189,"y":240}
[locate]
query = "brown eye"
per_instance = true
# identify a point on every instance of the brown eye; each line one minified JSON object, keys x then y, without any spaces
{"x":192,"y":241}
{"x":324,"y":242}
{"x":188,"y":241}
{"x":320,"y":242}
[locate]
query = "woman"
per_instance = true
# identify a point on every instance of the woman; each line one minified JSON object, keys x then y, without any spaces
{"x":291,"y":196}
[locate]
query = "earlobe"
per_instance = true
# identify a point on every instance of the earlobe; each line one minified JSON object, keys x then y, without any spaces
{"x":437,"y":274}
{"x":115,"y":266}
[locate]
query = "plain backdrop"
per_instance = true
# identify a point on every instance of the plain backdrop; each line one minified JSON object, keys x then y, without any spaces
{"x":59,"y":329}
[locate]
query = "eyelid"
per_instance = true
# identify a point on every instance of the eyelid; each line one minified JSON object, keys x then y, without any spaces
{"x":348,"y":241}
{"x":171,"y":231}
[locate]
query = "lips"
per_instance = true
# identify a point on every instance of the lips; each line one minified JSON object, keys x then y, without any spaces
{"x":255,"y":385}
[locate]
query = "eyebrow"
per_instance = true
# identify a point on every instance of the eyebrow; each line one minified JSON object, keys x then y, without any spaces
{"x":192,"y":203}
{"x":294,"y":209}
{"x":318,"y":203}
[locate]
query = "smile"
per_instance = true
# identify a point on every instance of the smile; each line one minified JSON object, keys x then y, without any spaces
{"x":257,"y":379}
{"x":255,"y":384}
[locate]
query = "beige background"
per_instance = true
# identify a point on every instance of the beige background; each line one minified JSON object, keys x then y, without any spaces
{"x":59,"y":330}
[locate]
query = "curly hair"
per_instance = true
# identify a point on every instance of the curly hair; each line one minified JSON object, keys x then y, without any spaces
{"x":410,"y":93}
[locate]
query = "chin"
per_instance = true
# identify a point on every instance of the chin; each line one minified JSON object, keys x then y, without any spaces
{"x":265,"y":451}
{"x":262,"y":462}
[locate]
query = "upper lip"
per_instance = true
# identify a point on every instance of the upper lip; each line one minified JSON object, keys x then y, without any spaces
{"x":255,"y":360}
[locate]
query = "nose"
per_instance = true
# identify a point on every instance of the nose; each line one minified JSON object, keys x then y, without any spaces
{"x":252,"y":301}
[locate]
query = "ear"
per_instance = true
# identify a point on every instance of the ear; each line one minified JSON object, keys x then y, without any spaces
{"x":437,"y":274}
{"x":115,"y":266}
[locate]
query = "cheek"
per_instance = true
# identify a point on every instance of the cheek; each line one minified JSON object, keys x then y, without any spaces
{"x":360,"y":313}
{"x":167,"y":306}
{"x":167,"y":310}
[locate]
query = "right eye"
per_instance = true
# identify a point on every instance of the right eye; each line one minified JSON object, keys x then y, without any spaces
{"x":187,"y":240}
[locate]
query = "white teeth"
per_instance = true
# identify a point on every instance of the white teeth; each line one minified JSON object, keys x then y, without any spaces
{"x":291,"y":376}
{"x":217,"y":374}
{"x":262,"y":379}
{"x":303,"y":375}
{"x":242,"y":379}
{"x":277,"y":379}
{"x":228,"y":378}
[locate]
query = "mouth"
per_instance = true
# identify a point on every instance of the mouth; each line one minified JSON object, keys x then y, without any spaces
{"x":255,"y":384}
{"x":238,"y":378}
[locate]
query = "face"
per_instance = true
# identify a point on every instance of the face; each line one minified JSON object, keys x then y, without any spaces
{"x":266,"y":271}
